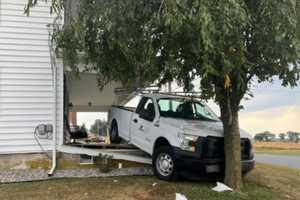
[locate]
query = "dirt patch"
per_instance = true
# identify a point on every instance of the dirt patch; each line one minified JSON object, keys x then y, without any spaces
{"x":132,"y":193}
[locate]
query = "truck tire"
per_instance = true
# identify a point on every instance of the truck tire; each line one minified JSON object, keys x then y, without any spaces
{"x":114,"y":133}
{"x":164,"y":164}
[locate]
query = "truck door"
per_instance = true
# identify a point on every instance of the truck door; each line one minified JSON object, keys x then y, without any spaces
{"x":142,"y":124}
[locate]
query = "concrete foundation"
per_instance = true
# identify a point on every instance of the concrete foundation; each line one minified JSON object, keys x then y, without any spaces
{"x":65,"y":161}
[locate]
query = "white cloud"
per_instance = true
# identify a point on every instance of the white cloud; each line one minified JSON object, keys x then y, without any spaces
{"x":276,"y":120}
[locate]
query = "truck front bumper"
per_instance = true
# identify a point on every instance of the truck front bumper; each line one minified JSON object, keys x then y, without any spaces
{"x":192,"y":161}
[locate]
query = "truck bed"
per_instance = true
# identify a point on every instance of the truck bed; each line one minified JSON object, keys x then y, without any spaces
{"x":122,"y":115}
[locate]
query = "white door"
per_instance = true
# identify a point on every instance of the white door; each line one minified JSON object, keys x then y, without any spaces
{"x":142,"y":125}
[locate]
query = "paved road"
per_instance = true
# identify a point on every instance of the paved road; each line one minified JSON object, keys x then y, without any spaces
{"x":289,"y":161}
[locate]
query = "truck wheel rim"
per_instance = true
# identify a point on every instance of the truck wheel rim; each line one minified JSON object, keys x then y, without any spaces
{"x":164,"y":164}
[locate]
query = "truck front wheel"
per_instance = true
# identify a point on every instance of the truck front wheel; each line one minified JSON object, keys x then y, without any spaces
{"x":164,"y":165}
{"x":114,"y":134}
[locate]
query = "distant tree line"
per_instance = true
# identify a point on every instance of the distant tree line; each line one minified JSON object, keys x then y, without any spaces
{"x":267,"y":136}
{"x":99,"y":127}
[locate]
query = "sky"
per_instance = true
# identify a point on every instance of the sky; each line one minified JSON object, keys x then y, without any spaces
{"x":273,"y":108}
{"x":88,"y":118}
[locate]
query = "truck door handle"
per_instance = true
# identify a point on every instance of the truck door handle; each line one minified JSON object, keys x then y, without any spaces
{"x":135,"y":121}
{"x":141,"y":128}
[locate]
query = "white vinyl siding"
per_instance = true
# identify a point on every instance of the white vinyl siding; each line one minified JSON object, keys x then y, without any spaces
{"x":26,"y":77}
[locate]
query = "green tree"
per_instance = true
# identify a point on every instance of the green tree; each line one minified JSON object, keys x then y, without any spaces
{"x":230,"y":44}
{"x":293,"y":136}
{"x":282,"y":136}
{"x":265,"y":136}
{"x":97,"y":126}
{"x":113,"y":38}
{"x":83,"y":128}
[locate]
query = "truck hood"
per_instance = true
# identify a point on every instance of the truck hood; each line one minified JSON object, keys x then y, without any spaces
{"x":200,"y":128}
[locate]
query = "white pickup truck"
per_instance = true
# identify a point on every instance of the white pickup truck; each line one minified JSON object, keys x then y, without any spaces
{"x":180,"y":133}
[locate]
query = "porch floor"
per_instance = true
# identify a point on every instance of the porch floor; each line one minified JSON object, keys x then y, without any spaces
{"x":134,"y":155}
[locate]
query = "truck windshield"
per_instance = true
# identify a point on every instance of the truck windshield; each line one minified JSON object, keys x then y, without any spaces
{"x":185,"y":109}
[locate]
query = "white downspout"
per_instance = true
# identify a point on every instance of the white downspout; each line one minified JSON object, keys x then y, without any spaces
{"x":50,"y":173}
{"x":54,"y":108}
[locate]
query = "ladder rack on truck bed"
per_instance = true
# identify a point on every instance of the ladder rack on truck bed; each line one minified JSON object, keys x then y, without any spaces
{"x":155,"y":90}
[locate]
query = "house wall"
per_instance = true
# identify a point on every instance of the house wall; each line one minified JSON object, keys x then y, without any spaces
{"x":85,"y":95}
{"x":26,"y":78}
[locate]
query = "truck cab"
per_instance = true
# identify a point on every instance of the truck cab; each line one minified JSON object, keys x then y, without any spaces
{"x":179,"y":132}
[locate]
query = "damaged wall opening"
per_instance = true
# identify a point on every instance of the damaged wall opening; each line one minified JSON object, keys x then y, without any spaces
{"x":85,"y":104}
{"x":87,"y":127}
{"x":86,"y":108}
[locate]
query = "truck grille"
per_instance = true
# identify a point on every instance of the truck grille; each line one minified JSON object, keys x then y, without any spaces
{"x":213,"y":148}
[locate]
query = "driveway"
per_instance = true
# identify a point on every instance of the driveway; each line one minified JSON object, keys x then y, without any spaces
{"x":283,"y":160}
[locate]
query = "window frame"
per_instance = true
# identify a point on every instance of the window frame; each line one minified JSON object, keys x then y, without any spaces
{"x":141,"y":106}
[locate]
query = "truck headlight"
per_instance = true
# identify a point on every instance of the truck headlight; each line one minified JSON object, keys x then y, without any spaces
{"x":187,"y":142}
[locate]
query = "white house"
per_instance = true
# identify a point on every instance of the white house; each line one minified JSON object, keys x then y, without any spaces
{"x":29,"y":87}
{"x":35,"y":88}
{"x":26,"y":77}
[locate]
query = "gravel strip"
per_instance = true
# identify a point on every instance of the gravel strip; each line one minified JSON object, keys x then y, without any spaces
{"x":16,"y":176}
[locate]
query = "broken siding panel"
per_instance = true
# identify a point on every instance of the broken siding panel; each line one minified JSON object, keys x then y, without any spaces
{"x":26,"y":77}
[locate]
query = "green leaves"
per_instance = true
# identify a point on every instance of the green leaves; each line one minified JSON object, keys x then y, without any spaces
{"x":116,"y":39}
{"x":56,"y":6}
{"x":227,"y":43}
{"x":138,"y":42}
{"x":241,"y":39}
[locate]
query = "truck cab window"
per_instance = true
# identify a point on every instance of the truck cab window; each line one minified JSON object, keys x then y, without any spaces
{"x":146,"y":109}
{"x":166,"y":105}
{"x":185,"y":109}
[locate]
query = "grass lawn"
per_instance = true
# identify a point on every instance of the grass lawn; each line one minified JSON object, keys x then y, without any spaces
{"x":278,"y":148}
{"x":265,"y":182}
{"x":288,"y":152}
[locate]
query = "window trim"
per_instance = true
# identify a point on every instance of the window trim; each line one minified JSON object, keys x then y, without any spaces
{"x":142,"y":104}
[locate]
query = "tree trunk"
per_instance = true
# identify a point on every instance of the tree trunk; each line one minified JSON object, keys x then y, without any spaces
{"x":232,"y":145}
